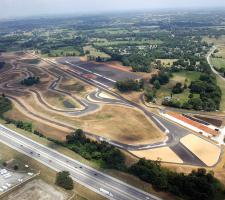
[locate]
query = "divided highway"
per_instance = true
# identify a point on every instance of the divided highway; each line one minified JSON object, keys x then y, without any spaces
{"x":81,"y":173}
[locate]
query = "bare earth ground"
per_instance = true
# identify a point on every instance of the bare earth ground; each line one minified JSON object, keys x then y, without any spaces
{"x":122,"y":124}
{"x":41,"y":127}
{"x":205,"y":151}
{"x":117,"y":123}
{"x":164,"y":154}
{"x":38,"y":190}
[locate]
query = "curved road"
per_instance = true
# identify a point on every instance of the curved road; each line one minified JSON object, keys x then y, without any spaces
{"x":211,"y":65}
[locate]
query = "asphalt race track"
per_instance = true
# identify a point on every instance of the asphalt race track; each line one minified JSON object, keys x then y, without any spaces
{"x":173,"y":132}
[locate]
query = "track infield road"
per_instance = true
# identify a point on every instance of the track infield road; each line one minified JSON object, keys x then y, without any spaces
{"x":87,"y":176}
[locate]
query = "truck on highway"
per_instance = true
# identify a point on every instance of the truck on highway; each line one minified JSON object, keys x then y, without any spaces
{"x":106,"y":192}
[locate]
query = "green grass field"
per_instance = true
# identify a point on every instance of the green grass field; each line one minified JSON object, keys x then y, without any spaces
{"x":218,"y":63}
{"x":95,"y":53}
{"x":182,"y":77}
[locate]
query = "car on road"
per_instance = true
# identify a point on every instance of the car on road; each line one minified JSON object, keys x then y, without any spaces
{"x":106,"y":192}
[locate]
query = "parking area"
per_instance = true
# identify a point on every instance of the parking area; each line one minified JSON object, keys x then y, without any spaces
{"x":10,"y":179}
{"x":99,"y":72}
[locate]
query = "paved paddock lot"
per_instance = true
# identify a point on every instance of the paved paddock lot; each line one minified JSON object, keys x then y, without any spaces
{"x":10,"y":179}
{"x":103,"y":73}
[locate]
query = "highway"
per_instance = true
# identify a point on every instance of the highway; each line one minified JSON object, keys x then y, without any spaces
{"x":85,"y":175}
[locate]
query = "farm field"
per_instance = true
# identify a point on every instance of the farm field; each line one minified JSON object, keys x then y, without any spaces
{"x":116,"y":43}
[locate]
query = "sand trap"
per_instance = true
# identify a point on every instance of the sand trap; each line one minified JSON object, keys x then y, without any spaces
{"x":165,"y":154}
{"x":205,"y":151}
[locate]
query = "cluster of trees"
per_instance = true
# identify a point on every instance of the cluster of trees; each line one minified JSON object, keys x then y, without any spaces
{"x":161,"y":79}
{"x":198,"y":185}
{"x":5,"y":105}
{"x":139,"y":63}
{"x":150,"y":94}
{"x":130,"y":85}
{"x":221,"y":70}
{"x":64,"y":180}
{"x":30,"y":81}
{"x":106,"y":154}
{"x":2,"y":64}
{"x":204,"y":95}
{"x":209,"y":94}
{"x":27,"y":126}
{"x":39,"y":134}
{"x":191,"y":63}
{"x":172,"y":102}
{"x":178,"y":88}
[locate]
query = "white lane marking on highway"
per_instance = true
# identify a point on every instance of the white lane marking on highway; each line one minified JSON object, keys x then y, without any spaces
{"x":109,"y":79}
{"x":166,"y":129}
{"x":65,"y":165}
{"x":68,"y":158}
{"x":77,"y":162}
{"x":54,"y":168}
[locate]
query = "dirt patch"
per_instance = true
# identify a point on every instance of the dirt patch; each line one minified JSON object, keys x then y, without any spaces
{"x":122,"y":124}
{"x":118,"y":65}
{"x":164,"y":154}
{"x":47,"y":129}
{"x":205,"y":151}
{"x":38,"y":190}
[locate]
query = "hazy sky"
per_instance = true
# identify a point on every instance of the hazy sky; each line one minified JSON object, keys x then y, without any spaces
{"x":15,"y":8}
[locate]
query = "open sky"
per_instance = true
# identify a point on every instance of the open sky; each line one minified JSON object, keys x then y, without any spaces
{"x":22,"y":8}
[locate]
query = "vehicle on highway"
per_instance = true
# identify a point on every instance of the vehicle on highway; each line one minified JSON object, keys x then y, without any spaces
{"x":106,"y":192}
